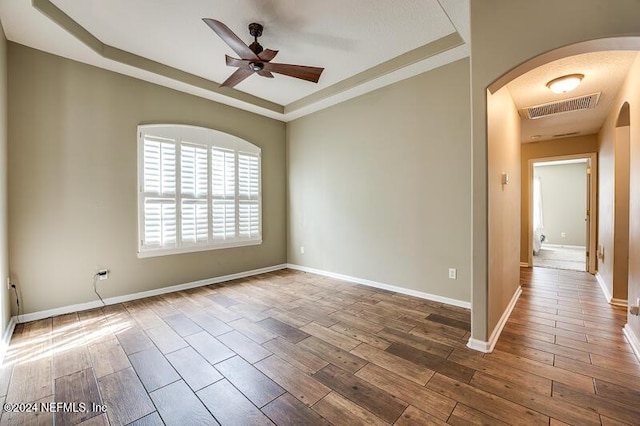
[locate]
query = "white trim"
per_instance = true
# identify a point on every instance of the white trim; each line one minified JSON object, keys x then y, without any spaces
{"x":479,"y":345}
{"x":524,"y":265}
{"x":619,"y":302}
{"x":487,"y":347}
{"x":549,"y":245}
{"x":6,"y":338}
{"x":633,"y":340}
{"x":402,"y":290}
{"x":195,"y":248}
{"x":603,"y":287}
{"x":560,"y":162}
{"x":134,"y":296}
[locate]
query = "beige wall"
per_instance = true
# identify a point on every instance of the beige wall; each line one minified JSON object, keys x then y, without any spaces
{"x":623,"y":282}
{"x":631,"y":93}
{"x":621,"y":213}
{"x":606,"y":176}
{"x":379,"y":186}
{"x":504,"y":34}
{"x":504,"y":202}
{"x":72,"y":181}
{"x":564,"y":203}
{"x":546,"y":149}
{"x":5,"y":296}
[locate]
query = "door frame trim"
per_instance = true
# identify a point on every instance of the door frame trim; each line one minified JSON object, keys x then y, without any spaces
{"x":593,"y":204}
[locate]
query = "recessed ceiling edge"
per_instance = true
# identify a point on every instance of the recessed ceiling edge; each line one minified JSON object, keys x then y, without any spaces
{"x":451,"y":48}
{"x":63,"y":20}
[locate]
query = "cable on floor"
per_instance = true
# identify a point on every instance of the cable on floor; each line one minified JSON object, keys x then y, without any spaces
{"x":95,"y":288}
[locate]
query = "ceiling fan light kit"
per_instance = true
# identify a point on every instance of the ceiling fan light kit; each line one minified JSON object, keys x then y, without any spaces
{"x":254,"y":59}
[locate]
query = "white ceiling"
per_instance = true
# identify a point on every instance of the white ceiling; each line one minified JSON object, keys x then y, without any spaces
{"x":346,"y":38}
{"x":603,"y":72}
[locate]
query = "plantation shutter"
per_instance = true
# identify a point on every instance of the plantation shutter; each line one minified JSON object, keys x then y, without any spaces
{"x":248,"y":195}
{"x":223,"y":183}
{"x":160,"y":219}
{"x":194,"y":190}
{"x":199,"y":189}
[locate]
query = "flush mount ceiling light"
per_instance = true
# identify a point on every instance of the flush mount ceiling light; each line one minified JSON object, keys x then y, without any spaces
{"x":565,"y":83}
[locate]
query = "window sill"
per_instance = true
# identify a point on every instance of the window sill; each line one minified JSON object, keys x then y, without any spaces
{"x":142,"y":254}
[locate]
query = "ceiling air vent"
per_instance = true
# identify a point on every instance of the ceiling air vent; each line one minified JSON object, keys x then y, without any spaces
{"x":566,"y":135}
{"x":567,"y":105}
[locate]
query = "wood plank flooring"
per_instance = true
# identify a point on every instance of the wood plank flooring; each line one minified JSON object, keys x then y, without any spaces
{"x":294,"y":348}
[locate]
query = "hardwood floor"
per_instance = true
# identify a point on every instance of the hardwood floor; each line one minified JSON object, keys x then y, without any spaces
{"x":294,"y":348}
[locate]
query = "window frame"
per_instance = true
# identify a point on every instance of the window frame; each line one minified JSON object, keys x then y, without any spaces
{"x":212,"y":139}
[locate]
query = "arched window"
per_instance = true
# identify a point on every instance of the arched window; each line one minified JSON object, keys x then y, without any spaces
{"x":198,"y":189}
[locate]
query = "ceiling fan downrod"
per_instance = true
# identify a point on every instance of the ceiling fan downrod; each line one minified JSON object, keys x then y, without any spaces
{"x":255,"y":30}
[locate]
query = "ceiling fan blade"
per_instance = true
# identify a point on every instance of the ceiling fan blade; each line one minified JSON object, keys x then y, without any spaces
{"x":265,"y":73}
{"x":267,"y":55}
{"x":239,"y":75}
{"x":231,"y":39}
{"x":297,"y":71}
{"x":235,"y":62}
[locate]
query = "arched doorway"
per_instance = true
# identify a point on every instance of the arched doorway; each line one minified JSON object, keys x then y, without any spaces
{"x":612,"y":143}
{"x":501,"y":123}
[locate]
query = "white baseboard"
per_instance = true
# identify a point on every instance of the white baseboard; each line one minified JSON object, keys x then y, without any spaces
{"x":563,"y":246}
{"x":607,"y":294}
{"x":6,"y":338}
{"x":479,"y":345}
{"x":634,"y":341}
{"x":623,"y":303}
{"x":402,"y":290}
{"x":487,"y":347}
{"x":134,"y":296}
{"x":603,"y":287}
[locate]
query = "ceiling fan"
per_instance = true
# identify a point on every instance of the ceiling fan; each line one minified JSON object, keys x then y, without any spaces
{"x":255,"y":59}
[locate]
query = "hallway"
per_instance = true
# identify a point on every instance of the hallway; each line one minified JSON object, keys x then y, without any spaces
{"x":567,"y":341}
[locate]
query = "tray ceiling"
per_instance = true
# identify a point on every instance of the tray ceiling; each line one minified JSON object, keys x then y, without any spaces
{"x":362,"y":44}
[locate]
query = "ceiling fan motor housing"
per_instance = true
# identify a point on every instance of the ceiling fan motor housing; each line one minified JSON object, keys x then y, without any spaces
{"x":256,"y":47}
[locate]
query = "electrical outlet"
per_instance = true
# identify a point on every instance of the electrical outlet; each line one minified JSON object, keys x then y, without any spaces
{"x":453,"y":273}
{"x":301,"y":249}
{"x":563,"y":235}
{"x":8,"y":283}
{"x":103,"y":274}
